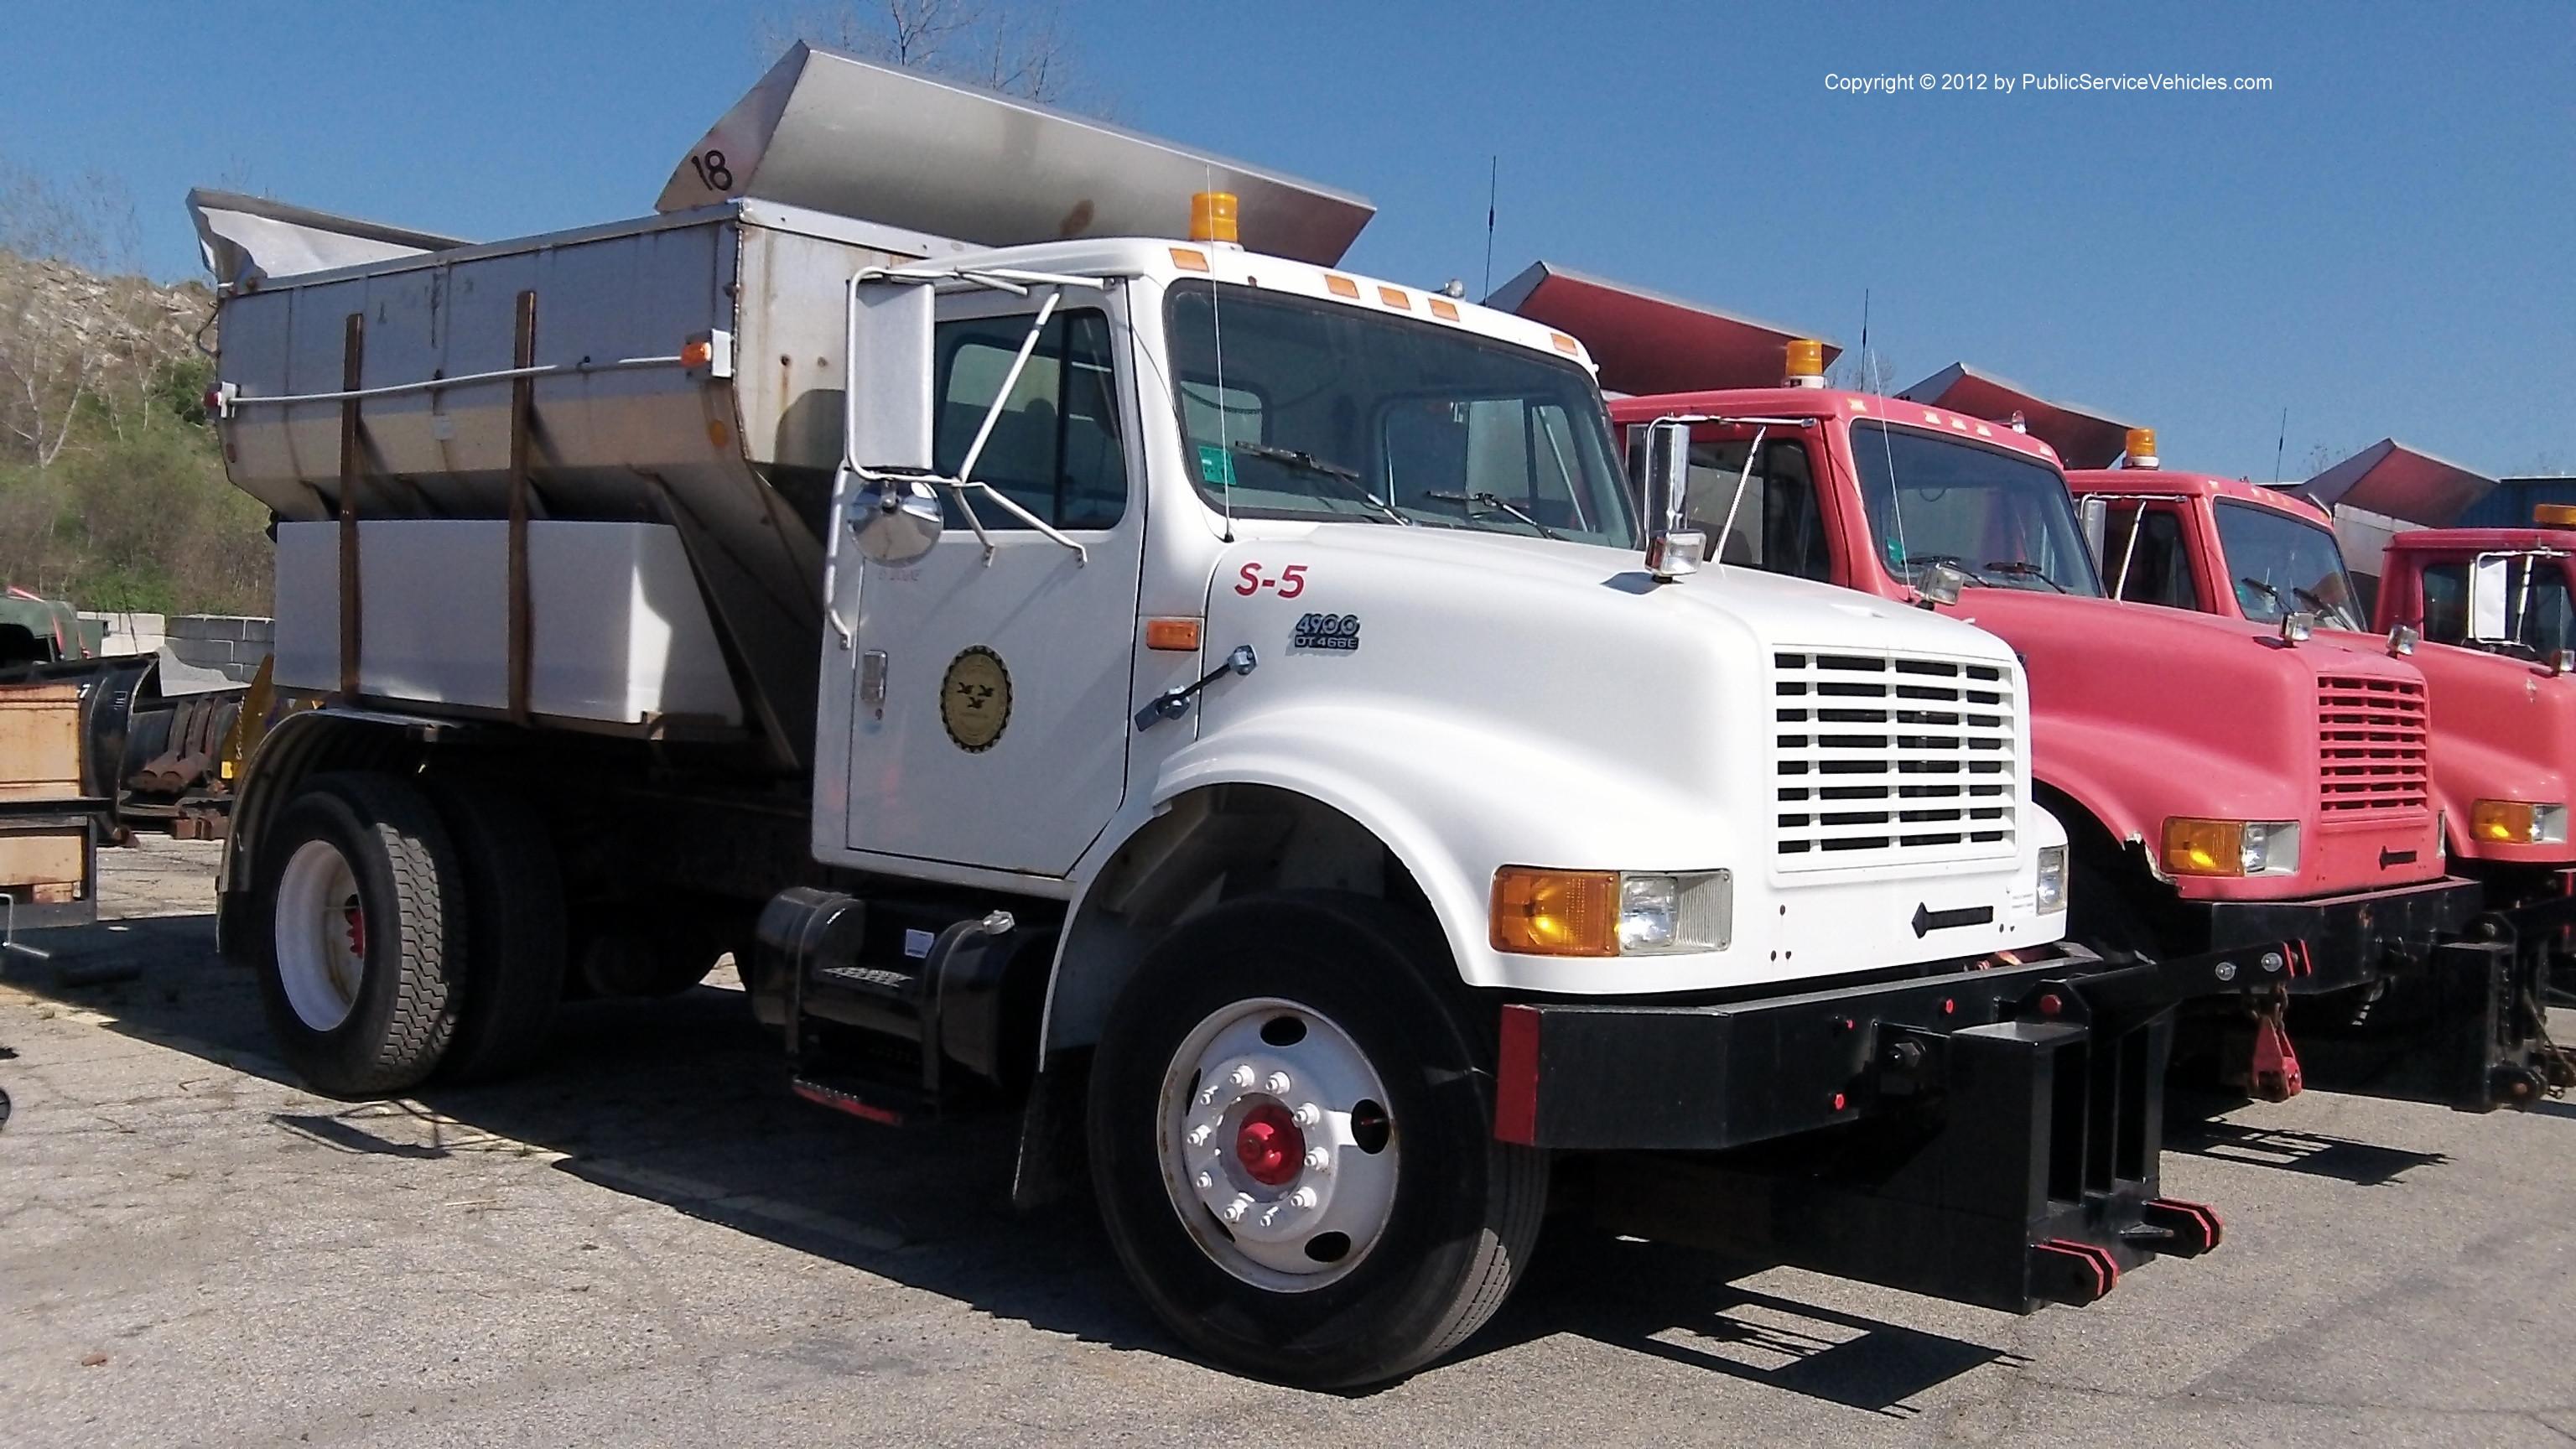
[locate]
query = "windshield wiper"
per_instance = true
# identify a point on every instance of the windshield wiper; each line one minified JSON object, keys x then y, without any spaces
{"x":1919,"y":560}
{"x":1494,"y":502}
{"x":1309,"y":463}
{"x":2325,"y":611}
{"x":2023,"y":568}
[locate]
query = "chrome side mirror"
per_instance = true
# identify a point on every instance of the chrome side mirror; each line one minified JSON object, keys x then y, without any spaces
{"x":895,"y":520}
{"x":2403,"y":638}
{"x":2093,"y":512}
{"x":2489,"y":580}
{"x":1941,"y":585}
{"x":1672,"y":552}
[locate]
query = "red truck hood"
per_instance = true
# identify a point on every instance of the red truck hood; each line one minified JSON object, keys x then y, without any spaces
{"x":2139,"y":713}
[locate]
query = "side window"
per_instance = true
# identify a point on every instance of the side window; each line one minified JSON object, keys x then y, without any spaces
{"x":2446,"y":602}
{"x":1778,"y":525}
{"x":2159,"y":560}
{"x":1054,"y":449}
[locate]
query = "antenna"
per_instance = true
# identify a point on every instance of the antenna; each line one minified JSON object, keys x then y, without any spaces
{"x":1493,"y":185}
{"x":2278,"y":445}
{"x":1868,"y":374}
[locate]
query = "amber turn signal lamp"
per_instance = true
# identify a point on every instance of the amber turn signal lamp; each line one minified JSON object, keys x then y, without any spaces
{"x":1556,"y":912}
{"x":1172,"y":634}
{"x":2517,"y":822}
{"x":1213,"y":216}
{"x":2204,"y":847}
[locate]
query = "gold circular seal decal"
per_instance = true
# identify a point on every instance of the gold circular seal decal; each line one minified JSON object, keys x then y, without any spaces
{"x":975,"y":699}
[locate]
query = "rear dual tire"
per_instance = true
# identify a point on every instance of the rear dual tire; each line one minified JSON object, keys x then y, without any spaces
{"x":410,"y":931}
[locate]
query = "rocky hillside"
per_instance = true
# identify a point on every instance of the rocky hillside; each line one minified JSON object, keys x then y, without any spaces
{"x":111,"y":481}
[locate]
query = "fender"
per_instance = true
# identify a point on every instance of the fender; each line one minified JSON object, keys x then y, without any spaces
{"x":1423,"y":792}
{"x":301,"y":744}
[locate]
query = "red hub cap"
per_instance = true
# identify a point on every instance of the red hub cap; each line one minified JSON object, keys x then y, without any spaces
{"x":1269,"y":1145}
{"x":355,"y":917}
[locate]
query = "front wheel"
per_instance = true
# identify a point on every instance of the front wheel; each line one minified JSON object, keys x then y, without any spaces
{"x":1293,"y":1152}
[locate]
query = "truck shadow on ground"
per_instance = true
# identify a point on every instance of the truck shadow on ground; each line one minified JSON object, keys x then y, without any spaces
{"x":2363,"y":1164}
{"x":683,"y":1101}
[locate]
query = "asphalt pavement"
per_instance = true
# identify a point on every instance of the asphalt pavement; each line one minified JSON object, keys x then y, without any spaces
{"x":650,"y":1242}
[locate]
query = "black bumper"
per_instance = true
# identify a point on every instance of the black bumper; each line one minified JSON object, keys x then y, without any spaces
{"x":1989,"y":1136}
{"x":2350,"y":940}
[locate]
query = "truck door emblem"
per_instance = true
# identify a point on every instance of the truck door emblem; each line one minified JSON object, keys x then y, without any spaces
{"x":1327,"y":631}
{"x":975,"y":699}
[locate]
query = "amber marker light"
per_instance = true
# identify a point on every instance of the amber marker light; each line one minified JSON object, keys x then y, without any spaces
{"x":2554,"y":515}
{"x":1556,"y":912}
{"x":1188,"y":260}
{"x":2517,"y":822}
{"x":1172,"y":634}
{"x":697,"y":352}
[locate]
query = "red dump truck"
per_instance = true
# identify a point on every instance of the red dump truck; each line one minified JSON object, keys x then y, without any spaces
{"x":2220,"y":781}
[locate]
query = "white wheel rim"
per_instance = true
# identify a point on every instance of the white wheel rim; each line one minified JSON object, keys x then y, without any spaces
{"x":1268,"y":1157}
{"x":321,"y":935}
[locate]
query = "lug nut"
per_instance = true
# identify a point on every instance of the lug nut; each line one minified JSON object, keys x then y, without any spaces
{"x":1200,"y":1134}
{"x":1206,"y":1180}
{"x":1308,"y":1114}
{"x":1319,"y":1159}
{"x":2224,"y":970}
{"x":1276,"y":1084}
{"x":1244,"y":1076}
{"x":1235,"y":1210}
{"x":1304,"y":1197}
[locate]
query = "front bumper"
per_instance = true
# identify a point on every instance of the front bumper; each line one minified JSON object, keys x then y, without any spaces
{"x":1990,"y":1137}
{"x":2349,"y":940}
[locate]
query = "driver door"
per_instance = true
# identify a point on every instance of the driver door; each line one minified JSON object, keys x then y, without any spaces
{"x":993,"y":683}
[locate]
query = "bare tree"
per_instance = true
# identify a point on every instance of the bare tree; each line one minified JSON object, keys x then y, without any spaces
{"x":1017,"y":49}
{"x":64,"y":321}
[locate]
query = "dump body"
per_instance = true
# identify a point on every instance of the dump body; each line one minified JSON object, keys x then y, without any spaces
{"x":623,"y":432}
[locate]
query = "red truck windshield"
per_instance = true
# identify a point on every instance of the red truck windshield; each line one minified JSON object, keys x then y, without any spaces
{"x":2004,"y":520}
{"x":2278,"y":565}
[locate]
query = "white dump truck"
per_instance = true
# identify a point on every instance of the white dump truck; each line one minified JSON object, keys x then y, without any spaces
{"x":1084,"y":652}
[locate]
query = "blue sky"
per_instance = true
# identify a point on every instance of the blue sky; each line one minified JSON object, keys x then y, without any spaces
{"x":2381,"y":244}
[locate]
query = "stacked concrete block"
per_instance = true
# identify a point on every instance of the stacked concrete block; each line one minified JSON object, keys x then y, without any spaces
{"x":230,"y":643}
{"x":130,"y":633}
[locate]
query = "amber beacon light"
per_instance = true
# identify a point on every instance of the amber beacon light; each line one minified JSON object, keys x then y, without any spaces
{"x":1214,"y":217}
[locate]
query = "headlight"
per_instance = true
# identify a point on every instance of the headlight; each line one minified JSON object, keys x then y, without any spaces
{"x":1539,"y":912}
{"x":2230,"y":847}
{"x":2513,"y":822}
{"x":2052,"y":879}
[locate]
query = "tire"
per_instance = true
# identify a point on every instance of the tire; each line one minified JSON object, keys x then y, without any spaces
{"x":514,"y":946}
{"x":362,"y":914}
{"x":1435,"y":1218}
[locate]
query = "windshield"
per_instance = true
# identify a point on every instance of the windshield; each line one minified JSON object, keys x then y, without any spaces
{"x":2279,"y":565}
{"x":2004,"y":520}
{"x":1311,"y":410}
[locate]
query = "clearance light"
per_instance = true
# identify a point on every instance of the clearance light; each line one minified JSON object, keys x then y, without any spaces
{"x":2230,"y":847}
{"x":2554,"y":515}
{"x":1188,"y":260}
{"x":2141,"y":449}
{"x":1806,"y":362}
{"x":1213,"y":217}
{"x":2513,"y":822}
{"x":1341,"y":286}
{"x":1539,"y":912}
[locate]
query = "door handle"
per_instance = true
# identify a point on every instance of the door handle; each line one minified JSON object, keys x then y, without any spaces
{"x":872,"y":683}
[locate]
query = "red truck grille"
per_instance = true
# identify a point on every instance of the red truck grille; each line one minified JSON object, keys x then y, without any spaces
{"x":2371,"y":745}
{"x":1884,"y":758}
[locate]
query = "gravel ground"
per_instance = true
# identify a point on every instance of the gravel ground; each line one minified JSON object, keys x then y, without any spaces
{"x":651,"y":1243}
